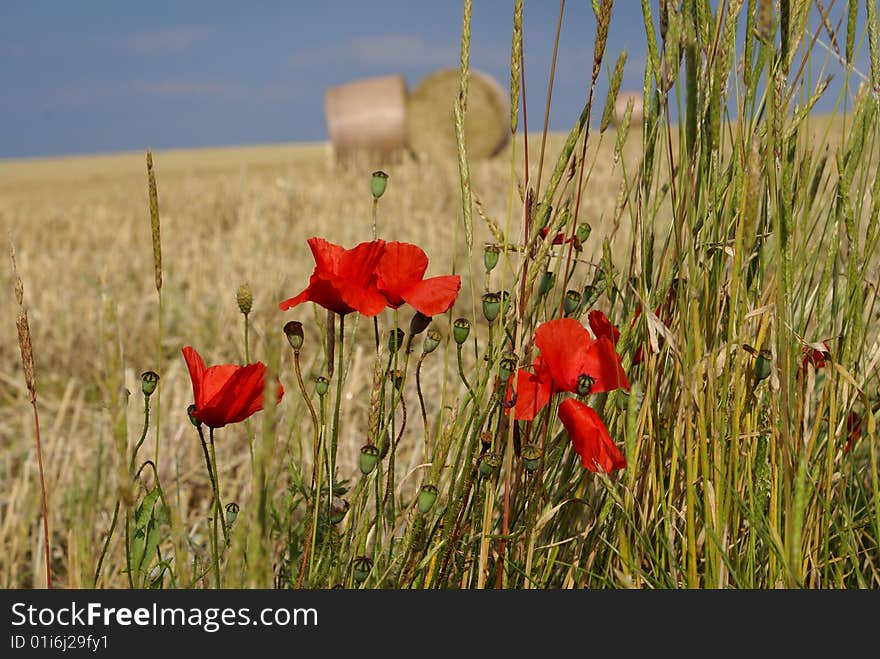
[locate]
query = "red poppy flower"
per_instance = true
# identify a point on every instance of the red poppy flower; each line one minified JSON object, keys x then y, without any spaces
{"x":590,"y":437}
{"x":225,"y":393}
{"x":344,"y":280}
{"x":558,"y":239}
{"x":400,"y":274}
{"x":815,"y":356}
{"x":853,"y":430}
{"x":601,"y":326}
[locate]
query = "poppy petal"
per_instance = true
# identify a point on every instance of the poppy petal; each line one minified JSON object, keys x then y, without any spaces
{"x":590,"y":438}
{"x":196,"y":366}
{"x":601,"y":326}
{"x":327,"y":256}
{"x":402,"y":266}
{"x":563,"y":344}
{"x":532,"y":394}
{"x":603,"y":364}
{"x":435,"y":295}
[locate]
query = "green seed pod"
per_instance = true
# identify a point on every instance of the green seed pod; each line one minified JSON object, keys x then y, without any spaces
{"x":762,"y":366}
{"x":369,"y":458}
{"x":191,"y":411}
{"x":338,"y":508}
{"x":461,"y":327}
{"x":582,"y":232}
{"x":361,"y":567}
{"x":530,"y":456}
{"x":571,"y":302}
{"x":427,"y":497}
{"x":149,"y":380}
{"x":322,"y":385}
{"x":490,"y":464}
{"x":395,"y":340}
{"x":591,"y":294}
{"x":546,"y":283}
{"x":419,"y":323}
{"x":507,"y":366}
{"x":378,"y":183}
{"x":245,"y":299}
{"x":491,"y":306}
{"x":432,"y":340}
{"x":293,"y":330}
{"x":490,"y":257}
{"x":585,"y":384}
{"x":231,"y":512}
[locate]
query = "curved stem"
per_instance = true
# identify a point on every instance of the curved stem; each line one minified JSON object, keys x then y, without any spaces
{"x":334,"y":440}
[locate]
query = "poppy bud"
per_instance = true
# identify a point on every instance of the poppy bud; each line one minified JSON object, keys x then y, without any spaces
{"x":427,"y":497}
{"x":149,"y":380}
{"x":361,"y":568}
{"x":245,"y":299}
{"x":395,"y":340}
{"x":490,"y":257}
{"x":378,"y":183}
{"x":762,"y":366}
{"x":490,"y":464}
{"x":585,"y":384}
{"x":546,"y":283}
{"x":396,"y":378}
{"x":338,"y":508}
{"x":293,"y":330}
{"x":507,"y":366}
{"x":191,"y":411}
{"x":571,"y":302}
{"x":491,"y":306}
{"x":231,"y":512}
{"x":461,"y":327}
{"x":369,"y":458}
{"x":432,"y":340}
{"x":530,"y":456}
{"x":322,"y":384}
{"x":419,"y":323}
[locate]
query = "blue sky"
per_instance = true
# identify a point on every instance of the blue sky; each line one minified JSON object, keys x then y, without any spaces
{"x":88,"y":77}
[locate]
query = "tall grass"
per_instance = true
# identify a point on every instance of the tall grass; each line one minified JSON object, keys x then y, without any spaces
{"x":731,"y":236}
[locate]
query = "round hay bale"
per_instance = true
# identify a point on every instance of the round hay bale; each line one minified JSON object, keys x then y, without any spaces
{"x":367,"y":116}
{"x":638,"y":113}
{"x":429,"y":117}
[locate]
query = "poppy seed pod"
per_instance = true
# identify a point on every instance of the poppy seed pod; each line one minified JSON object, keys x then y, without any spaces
{"x":530,"y":456}
{"x":427,"y":497}
{"x":191,"y":412}
{"x":361,"y":567}
{"x":293,"y":330}
{"x":231,"y":512}
{"x":419,"y":323}
{"x":369,"y":458}
{"x":582,"y":232}
{"x":432,"y":340}
{"x":378,"y":183}
{"x":585,"y":384}
{"x":491,"y":306}
{"x":546,"y":283}
{"x":245,"y":299}
{"x":149,"y":380}
{"x":490,"y":256}
{"x":762,"y":366}
{"x":322,"y":385}
{"x":507,"y":366}
{"x":490,"y":464}
{"x":338,"y":508}
{"x":461,"y":327}
{"x":571,"y":302}
{"x":395,"y":340}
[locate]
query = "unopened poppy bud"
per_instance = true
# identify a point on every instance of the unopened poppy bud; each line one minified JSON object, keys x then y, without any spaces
{"x":571,"y":302}
{"x":507,"y":366}
{"x":322,"y":384}
{"x":338,"y":508}
{"x":395,"y":340}
{"x":432,"y":340}
{"x":582,"y":232}
{"x":490,"y":464}
{"x":361,"y":567}
{"x":427,"y":497}
{"x":585,"y":384}
{"x":490,"y":257}
{"x":396,"y":376}
{"x":293,"y":330}
{"x":245,"y":299}
{"x":231,"y":512}
{"x":762,"y":366}
{"x":378,"y":183}
{"x":491,"y":306}
{"x":461,"y":327}
{"x":369,"y":458}
{"x":419,"y":323}
{"x":191,"y":411}
{"x":149,"y":380}
{"x":530,"y":456}
{"x":546,"y":283}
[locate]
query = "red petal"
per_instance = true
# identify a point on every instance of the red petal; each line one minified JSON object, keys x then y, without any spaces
{"x":402,"y":266}
{"x":603,"y":364}
{"x":563,"y":344}
{"x":357,"y":278}
{"x":532,"y":394}
{"x":327,"y":257}
{"x":435,"y":295}
{"x":590,"y":437}
{"x":601,"y":326}
{"x":196,"y":366}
